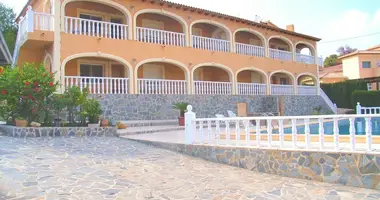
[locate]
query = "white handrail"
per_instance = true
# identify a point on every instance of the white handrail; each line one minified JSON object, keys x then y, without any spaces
{"x":251,"y":50}
{"x":307,"y":90}
{"x":44,"y":21}
{"x":211,"y":44}
{"x":160,"y":36}
{"x":328,"y":101}
{"x":251,"y":88}
{"x":78,"y":26}
{"x":308,"y":59}
{"x":320,"y":61}
{"x":211,"y":87}
{"x":366,"y":110}
{"x":160,"y":86}
{"x":99,"y":85}
{"x":277,"y":89}
{"x":280,"y":55}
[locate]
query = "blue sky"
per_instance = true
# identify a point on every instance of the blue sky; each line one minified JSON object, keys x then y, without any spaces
{"x":328,"y":19}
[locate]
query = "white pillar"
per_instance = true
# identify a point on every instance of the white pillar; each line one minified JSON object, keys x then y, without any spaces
{"x":358,"y":109}
{"x":30,"y":19}
{"x":190,"y":126}
{"x":56,"y":65}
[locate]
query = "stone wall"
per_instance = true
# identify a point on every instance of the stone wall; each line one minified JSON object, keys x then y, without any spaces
{"x":159,"y":107}
{"x":354,"y":169}
{"x":13,"y":131}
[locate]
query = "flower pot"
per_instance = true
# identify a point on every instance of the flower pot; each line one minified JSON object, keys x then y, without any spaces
{"x":104,"y":123}
{"x":93,"y":125}
{"x":21,"y":122}
{"x":181,"y":121}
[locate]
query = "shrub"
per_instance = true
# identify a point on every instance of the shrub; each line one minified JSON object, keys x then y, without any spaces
{"x":366,"y":98}
{"x":92,"y":111}
{"x":74,"y":99}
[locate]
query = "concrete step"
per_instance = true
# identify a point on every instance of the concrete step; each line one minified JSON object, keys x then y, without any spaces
{"x":148,"y":129}
{"x":144,"y":123}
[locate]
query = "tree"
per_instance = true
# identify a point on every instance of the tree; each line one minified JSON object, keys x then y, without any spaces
{"x":343,"y":50}
{"x":8,"y":25}
{"x":331,"y":60}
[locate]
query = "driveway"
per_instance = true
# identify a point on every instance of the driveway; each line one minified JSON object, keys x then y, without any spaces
{"x":115,"y":168}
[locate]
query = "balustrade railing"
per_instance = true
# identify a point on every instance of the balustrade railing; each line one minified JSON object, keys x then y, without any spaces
{"x":98,"y":85}
{"x":211,"y":44}
{"x":160,"y":37}
{"x":280,"y":55}
{"x":43,"y":21}
{"x":277,"y":89}
{"x":251,"y":89}
{"x":302,"y":58}
{"x":366,"y":110}
{"x":211,"y":87}
{"x":328,"y":101}
{"x":161,"y":86}
{"x":78,"y":26}
{"x":307,"y":90}
{"x":251,"y":50}
{"x":320,"y":61}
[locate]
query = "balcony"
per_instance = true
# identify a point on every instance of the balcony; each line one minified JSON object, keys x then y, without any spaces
{"x":280,"y":55}
{"x":160,"y":37}
{"x":212,"y":37}
{"x":307,"y":59}
{"x":250,"y":50}
{"x":251,"y":88}
{"x":98,"y":85}
{"x":210,"y":44}
{"x":212,"y":80}
{"x":159,"y":86}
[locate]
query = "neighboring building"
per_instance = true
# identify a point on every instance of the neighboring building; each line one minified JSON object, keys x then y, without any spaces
{"x":5,"y":55}
{"x":332,"y":74}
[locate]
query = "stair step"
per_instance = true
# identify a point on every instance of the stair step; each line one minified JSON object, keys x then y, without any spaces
{"x":144,"y":123}
{"x":148,"y":129}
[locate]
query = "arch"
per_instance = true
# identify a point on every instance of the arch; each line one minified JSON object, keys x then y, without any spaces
{"x":50,"y":59}
{"x":285,"y":72}
{"x":290,"y":43}
{"x":162,"y":12}
{"x":101,"y":55}
{"x":229,"y":71}
{"x":212,"y":22}
{"x":48,"y":4}
{"x":110,"y":3}
{"x":258,"y":34}
{"x":308,"y":74}
{"x":262,"y":72}
{"x":310,"y":46}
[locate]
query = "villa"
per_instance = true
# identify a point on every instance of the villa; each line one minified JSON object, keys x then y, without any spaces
{"x":142,"y":56}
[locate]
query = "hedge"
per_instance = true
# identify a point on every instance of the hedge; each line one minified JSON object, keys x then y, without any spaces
{"x":366,"y":98}
{"x":340,"y":93}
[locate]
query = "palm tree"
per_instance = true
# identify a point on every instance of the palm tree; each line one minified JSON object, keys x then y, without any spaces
{"x":182,"y":107}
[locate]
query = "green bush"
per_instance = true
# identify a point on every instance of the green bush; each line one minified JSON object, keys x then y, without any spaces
{"x":92,"y":111}
{"x":366,"y":98}
{"x":340,"y":93}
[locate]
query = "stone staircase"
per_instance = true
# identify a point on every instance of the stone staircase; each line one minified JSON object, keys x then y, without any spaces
{"x":149,"y":126}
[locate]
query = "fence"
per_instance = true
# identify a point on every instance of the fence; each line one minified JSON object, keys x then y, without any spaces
{"x":324,"y":133}
{"x":366,"y":110}
{"x":98,"y":85}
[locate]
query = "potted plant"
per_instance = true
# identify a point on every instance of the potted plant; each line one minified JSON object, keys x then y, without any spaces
{"x":120,"y":125}
{"x":104,"y":122}
{"x":21,"y":122}
{"x":92,"y":111}
{"x":181,"y":106}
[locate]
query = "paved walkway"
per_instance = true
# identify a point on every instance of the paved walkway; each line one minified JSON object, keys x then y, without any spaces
{"x":115,"y":168}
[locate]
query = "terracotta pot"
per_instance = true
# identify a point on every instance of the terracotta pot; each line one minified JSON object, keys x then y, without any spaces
{"x":104,"y":123}
{"x":21,"y":122}
{"x":122,"y":126}
{"x":93,"y":125}
{"x":181,"y":121}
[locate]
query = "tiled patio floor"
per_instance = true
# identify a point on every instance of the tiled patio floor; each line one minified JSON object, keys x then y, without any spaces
{"x":115,"y":168}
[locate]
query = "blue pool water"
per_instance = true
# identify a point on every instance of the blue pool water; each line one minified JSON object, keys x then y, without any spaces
{"x":344,"y":127}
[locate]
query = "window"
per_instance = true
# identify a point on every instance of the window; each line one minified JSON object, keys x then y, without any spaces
{"x":91,"y":70}
{"x":366,"y":64}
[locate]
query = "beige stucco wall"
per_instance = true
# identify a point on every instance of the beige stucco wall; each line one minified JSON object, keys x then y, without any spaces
{"x":351,"y":67}
{"x":374,"y":70}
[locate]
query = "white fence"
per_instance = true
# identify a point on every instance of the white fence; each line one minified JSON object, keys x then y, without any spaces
{"x":280,"y":55}
{"x":366,"y":110}
{"x":98,"y":85}
{"x":251,"y":50}
{"x":160,"y":37}
{"x":43,"y":21}
{"x":160,"y":86}
{"x":305,"y":58}
{"x":211,"y":44}
{"x":251,"y":89}
{"x":332,"y":106}
{"x":307,"y":90}
{"x":211,"y":87}
{"x":282,"y":89}
{"x":94,"y":28}
{"x":297,"y":132}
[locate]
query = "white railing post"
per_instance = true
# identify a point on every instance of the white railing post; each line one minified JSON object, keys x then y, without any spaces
{"x":358,"y":109}
{"x":368,"y":130}
{"x":352,"y":133}
{"x":190,"y":126}
{"x":30,"y":18}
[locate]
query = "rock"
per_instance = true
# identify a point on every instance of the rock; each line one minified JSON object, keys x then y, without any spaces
{"x":35,"y":124}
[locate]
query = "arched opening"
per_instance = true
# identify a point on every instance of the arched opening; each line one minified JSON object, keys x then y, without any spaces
{"x":48,"y":63}
{"x":249,"y":43}
{"x":100,"y":75}
{"x":96,"y":18}
{"x":158,"y":77}
{"x":280,"y":48}
{"x":160,"y":27}
{"x":282,"y":83}
{"x":251,"y":82}
{"x":213,"y":37}
{"x":48,"y":7}
{"x":209,"y":79}
{"x":305,"y":53}
{"x":307,"y":84}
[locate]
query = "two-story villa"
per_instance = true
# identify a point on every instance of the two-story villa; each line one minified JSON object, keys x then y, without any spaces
{"x":155,"y":47}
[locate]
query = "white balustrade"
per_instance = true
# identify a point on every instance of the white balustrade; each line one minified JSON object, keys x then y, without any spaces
{"x":328,"y":101}
{"x":251,"y":89}
{"x":302,"y":58}
{"x":277,"y":89}
{"x":78,"y":26}
{"x":98,"y":85}
{"x":325,"y":133}
{"x":280,"y":55}
{"x":211,"y":44}
{"x":211,"y":87}
{"x":320,"y":61}
{"x":160,"y":37}
{"x":161,"y":86}
{"x":307,"y":90}
{"x":366,"y":110}
{"x":43,"y":21}
{"x":251,"y":50}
